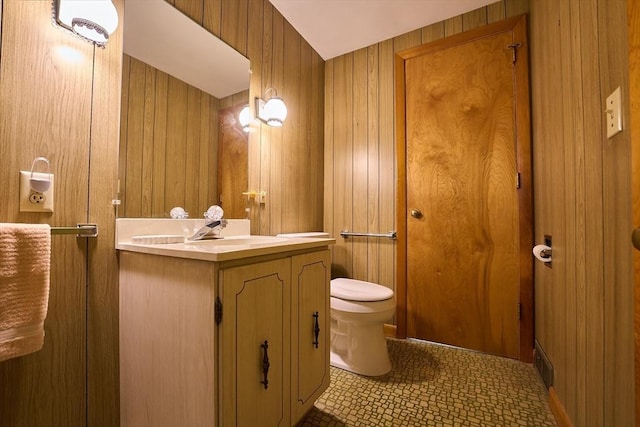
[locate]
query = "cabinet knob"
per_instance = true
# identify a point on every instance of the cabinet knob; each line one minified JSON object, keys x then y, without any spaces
{"x":635,"y":238}
{"x":416,"y":213}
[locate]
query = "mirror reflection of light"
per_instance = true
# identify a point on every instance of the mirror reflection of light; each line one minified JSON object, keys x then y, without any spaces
{"x":245,"y":118}
{"x":69,"y":53}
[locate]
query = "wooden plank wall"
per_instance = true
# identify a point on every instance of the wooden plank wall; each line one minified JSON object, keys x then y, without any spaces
{"x":360,"y":175}
{"x":61,"y":99}
{"x":584,"y":304}
{"x":285,"y":162}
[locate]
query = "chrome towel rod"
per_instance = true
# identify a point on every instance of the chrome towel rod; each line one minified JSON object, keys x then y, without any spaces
{"x":80,"y":230}
{"x":390,"y":235}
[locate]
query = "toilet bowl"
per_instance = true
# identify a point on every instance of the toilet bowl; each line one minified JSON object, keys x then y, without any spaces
{"x":358,"y":312}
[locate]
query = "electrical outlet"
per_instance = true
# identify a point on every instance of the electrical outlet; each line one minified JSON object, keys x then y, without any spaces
{"x":34,"y":201}
{"x":37,"y":198}
{"x":613,"y":110}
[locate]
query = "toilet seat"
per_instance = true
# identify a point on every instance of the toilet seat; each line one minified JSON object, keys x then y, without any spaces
{"x":358,"y":290}
{"x":362,"y":307}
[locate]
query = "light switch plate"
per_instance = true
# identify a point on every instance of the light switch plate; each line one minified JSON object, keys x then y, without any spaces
{"x":26,"y":205}
{"x":613,"y":111}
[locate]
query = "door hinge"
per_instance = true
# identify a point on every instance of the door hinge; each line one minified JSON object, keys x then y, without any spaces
{"x":218,"y":311}
{"x":518,"y":180}
{"x":519,"y":311}
{"x":514,"y":51}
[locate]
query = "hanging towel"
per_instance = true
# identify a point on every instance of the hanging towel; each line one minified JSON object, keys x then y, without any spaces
{"x":25,"y":260}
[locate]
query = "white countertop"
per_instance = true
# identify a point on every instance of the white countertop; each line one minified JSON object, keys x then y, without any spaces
{"x":231,"y":247}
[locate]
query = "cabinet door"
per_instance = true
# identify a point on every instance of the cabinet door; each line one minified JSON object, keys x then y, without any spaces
{"x":254,"y":346}
{"x":311,"y":274}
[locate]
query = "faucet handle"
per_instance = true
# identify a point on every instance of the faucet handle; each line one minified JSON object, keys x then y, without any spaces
{"x":178,"y":213}
{"x":214,"y":213}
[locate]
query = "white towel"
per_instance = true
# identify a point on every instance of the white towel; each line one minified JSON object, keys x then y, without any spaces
{"x":25,"y":263}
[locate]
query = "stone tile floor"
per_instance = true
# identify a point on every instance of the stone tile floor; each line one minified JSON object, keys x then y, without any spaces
{"x":435,"y":385}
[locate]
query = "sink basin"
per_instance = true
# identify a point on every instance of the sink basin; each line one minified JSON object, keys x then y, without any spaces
{"x":154,"y":239}
{"x":238,"y":241}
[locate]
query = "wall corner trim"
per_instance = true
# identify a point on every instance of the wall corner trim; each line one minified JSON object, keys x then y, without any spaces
{"x":557,"y":408}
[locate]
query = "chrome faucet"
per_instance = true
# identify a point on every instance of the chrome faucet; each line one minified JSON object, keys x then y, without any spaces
{"x":210,"y":230}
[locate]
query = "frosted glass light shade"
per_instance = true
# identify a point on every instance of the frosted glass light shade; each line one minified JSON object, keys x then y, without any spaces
{"x":275,"y":111}
{"x":92,"y":20}
{"x":245,"y":118}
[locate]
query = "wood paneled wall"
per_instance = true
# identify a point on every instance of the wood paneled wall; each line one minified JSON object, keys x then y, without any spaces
{"x":61,"y":99}
{"x":360,"y":176}
{"x":584,"y":304}
{"x":285,"y":162}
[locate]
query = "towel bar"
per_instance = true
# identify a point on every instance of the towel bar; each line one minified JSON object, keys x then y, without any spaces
{"x":390,"y":235}
{"x":80,"y":230}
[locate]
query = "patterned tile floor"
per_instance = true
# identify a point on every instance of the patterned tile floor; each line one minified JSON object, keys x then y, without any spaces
{"x":435,"y":385}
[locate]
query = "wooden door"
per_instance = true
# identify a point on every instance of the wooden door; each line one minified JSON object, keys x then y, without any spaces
{"x":463,"y":205}
{"x":633,"y":25}
{"x":255,"y":311}
{"x":233,"y":149}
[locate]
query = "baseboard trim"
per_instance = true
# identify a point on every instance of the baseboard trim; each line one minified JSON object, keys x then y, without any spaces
{"x":557,"y":408}
{"x":390,"y":331}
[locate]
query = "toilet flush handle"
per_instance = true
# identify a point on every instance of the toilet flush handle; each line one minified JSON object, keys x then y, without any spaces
{"x":416,"y":213}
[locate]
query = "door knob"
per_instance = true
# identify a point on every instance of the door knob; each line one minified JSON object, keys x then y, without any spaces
{"x":416,"y":213}
{"x":635,"y":238}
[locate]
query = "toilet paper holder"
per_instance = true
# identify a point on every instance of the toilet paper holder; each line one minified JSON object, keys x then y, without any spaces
{"x":543,"y":252}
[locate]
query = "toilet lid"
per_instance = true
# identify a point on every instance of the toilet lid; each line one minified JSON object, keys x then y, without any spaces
{"x":358,"y":290}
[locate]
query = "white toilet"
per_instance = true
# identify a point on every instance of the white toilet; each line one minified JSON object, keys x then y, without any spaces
{"x":358,"y":312}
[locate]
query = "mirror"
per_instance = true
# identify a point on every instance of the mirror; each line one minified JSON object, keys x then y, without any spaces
{"x":180,"y":140}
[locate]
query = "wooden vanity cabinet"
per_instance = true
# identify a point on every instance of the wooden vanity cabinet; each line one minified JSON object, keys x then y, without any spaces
{"x":227,"y":344}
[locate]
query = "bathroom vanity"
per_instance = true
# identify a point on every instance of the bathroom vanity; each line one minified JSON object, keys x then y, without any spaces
{"x":233,"y":332}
